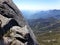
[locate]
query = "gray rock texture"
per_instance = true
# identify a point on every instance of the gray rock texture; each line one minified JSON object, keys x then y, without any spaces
{"x":14,"y":30}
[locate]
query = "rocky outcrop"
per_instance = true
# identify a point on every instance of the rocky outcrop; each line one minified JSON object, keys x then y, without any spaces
{"x":14,"y":29}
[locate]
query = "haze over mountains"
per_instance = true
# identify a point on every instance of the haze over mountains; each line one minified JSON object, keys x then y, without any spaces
{"x":42,"y":21}
{"x":41,"y":14}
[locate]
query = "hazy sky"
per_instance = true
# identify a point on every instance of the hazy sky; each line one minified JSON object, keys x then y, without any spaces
{"x":37,"y":4}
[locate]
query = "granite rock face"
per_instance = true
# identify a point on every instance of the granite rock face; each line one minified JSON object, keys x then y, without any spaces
{"x":14,"y":30}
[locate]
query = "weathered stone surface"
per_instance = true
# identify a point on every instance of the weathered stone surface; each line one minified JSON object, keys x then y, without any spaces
{"x":4,"y":20}
{"x":15,"y":13}
{"x":12,"y":20}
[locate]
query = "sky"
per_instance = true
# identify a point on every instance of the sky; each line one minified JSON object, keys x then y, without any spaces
{"x":37,"y":4}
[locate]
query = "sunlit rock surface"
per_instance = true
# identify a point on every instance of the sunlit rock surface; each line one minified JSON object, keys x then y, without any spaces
{"x":14,"y":29}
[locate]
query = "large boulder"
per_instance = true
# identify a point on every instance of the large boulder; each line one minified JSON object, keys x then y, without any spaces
{"x":15,"y":30}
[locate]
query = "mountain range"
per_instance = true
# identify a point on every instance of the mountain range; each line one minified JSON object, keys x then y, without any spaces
{"x":41,"y":14}
{"x":42,"y":21}
{"x":46,"y":14}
